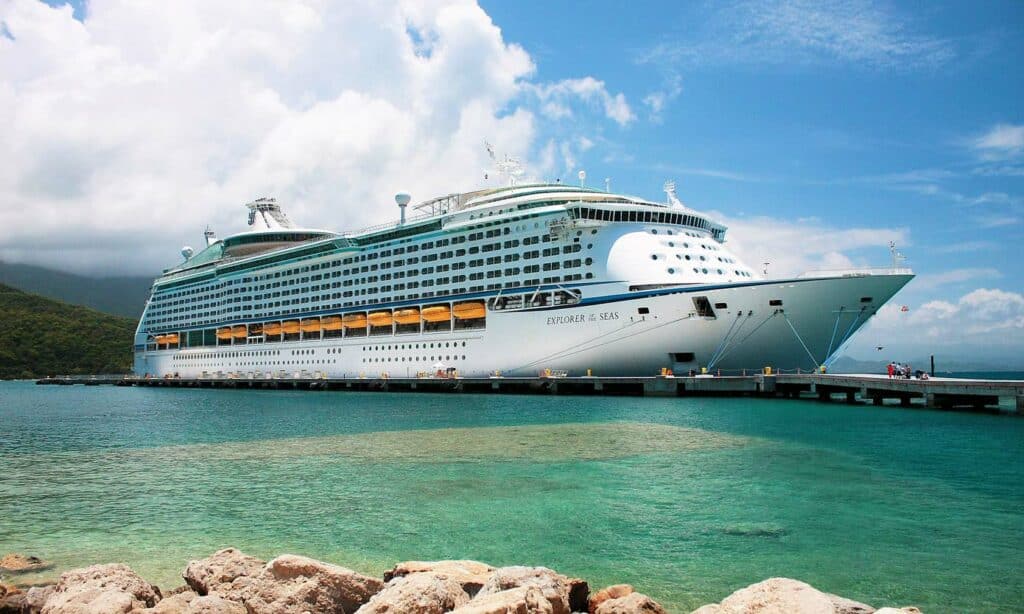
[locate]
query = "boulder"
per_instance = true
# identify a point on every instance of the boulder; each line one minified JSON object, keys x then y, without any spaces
{"x":849,"y":606}
{"x":633,"y":603}
{"x":553,"y":585}
{"x":774,"y":596}
{"x":285,"y":585}
{"x":614,"y":591}
{"x":220,"y":570}
{"x":472,"y":575}
{"x":417,"y":593}
{"x":520,"y":600}
{"x":13,"y":603}
{"x":189,"y":602}
{"x":112,"y":588}
{"x":36,"y":597}
{"x":21,"y":563}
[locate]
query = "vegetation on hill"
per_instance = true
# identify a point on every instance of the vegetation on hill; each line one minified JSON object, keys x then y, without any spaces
{"x":123,"y":296}
{"x":40,"y":337}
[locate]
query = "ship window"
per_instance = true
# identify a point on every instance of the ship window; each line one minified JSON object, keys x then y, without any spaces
{"x":721,"y":306}
{"x":775,"y":302}
{"x":866,"y":299}
{"x":683,"y":356}
{"x":643,"y":310}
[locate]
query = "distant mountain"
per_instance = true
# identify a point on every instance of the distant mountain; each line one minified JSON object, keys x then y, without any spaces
{"x":40,"y":337}
{"x":123,"y":296}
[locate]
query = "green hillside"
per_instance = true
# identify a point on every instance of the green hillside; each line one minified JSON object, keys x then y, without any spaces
{"x":40,"y":337}
{"x":123,"y":296}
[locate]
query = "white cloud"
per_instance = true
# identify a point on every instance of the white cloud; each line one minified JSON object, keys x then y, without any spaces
{"x":557,"y":98}
{"x":807,"y":245}
{"x":978,"y":323}
{"x":1000,"y":142}
{"x":955,"y":276}
{"x":787,"y":32}
{"x":129,"y":132}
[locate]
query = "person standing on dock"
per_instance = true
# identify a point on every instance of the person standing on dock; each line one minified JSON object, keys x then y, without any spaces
{"x":891,"y":368}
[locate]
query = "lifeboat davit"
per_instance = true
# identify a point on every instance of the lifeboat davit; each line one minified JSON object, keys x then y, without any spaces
{"x":354,"y":320}
{"x":410,"y":315}
{"x":380,"y":318}
{"x":331,"y":323}
{"x":437,"y":313}
{"x":470,"y":310}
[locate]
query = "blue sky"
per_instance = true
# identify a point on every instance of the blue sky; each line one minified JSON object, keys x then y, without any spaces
{"x":819,"y":131}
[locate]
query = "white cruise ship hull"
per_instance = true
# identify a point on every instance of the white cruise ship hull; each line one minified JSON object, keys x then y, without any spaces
{"x":786,"y":325}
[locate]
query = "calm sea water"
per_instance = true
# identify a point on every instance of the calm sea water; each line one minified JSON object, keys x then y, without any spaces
{"x":688,"y":499}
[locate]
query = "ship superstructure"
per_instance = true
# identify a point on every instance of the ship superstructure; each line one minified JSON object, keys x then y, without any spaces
{"x":516,"y":280}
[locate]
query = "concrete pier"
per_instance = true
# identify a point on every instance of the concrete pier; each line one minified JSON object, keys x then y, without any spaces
{"x":941,"y":393}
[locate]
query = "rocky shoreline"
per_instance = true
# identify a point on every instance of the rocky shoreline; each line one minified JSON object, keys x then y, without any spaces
{"x":231,"y":582}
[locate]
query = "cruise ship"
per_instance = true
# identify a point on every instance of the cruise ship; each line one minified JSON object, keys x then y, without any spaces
{"x":518,"y":280}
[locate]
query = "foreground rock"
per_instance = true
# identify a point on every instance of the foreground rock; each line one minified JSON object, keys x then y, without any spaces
{"x":220,"y":571}
{"x":555,"y":587}
{"x":113,"y":589}
{"x":520,"y":600}
{"x":471,"y":575}
{"x":633,"y":603}
{"x":417,"y":593}
{"x":189,"y":602}
{"x":786,"y":596}
{"x":21,"y":563}
{"x":288,"y":584}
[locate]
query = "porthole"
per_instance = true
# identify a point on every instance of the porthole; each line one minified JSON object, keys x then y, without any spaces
{"x":654,"y":256}
{"x":671,"y":271}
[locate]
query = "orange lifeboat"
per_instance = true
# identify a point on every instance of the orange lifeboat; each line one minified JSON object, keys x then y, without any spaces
{"x":224,"y":334}
{"x":290,"y":327}
{"x":410,"y":315}
{"x":160,"y":339}
{"x":470,"y":310}
{"x":272,"y":328}
{"x":354,"y":320}
{"x":380,"y":318}
{"x":311,"y":325}
{"x":255,"y":329}
{"x":239,"y":332}
{"x":172,"y":339}
{"x":437,"y":313}
{"x":331,"y":323}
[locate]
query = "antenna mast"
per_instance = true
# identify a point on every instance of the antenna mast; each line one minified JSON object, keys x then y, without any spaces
{"x":508,"y":166}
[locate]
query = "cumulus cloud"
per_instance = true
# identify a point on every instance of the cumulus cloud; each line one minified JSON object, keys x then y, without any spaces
{"x":129,"y":131}
{"x":558,"y":98}
{"x":794,"y":247}
{"x":981,"y":321}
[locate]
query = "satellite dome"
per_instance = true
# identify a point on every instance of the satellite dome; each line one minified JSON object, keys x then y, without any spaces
{"x":402,"y":198}
{"x":187,"y":252}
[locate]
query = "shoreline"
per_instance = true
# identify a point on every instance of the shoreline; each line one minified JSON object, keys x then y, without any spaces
{"x":232,"y":582}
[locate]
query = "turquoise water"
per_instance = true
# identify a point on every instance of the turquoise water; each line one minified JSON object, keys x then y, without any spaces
{"x":688,"y":499}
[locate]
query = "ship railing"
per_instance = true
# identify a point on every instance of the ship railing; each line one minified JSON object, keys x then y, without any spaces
{"x":856,"y":272}
{"x":387,"y":225}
